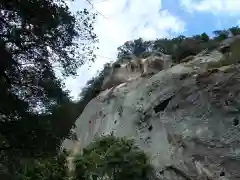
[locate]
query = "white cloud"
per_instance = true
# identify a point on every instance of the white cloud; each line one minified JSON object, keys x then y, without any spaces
{"x":127,"y":20}
{"x":217,"y":7}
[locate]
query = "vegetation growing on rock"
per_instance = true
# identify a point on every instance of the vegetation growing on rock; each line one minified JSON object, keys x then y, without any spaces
{"x":231,"y":57}
{"x":108,"y":157}
{"x":181,"y":48}
{"x":113,"y":158}
{"x":36,"y":113}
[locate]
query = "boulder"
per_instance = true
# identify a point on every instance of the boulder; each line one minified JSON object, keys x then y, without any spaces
{"x":135,"y":68}
{"x":226,"y":44}
{"x":185,"y":117}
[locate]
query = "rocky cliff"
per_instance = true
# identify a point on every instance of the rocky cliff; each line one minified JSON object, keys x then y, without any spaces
{"x":186,"y":117}
{"x":135,"y":68}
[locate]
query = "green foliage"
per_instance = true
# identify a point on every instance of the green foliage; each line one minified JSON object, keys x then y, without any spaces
{"x":221,"y":34}
{"x":209,"y":45}
{"x":187,"y":48}
{"x":114,"y":158}
{"x":146,"y":54}
{"x":50,"y":168}
{"x":132,"y":48}
{"x":93,"y":88}
{"x":47,"y":169}
{"x":204,"y":37}
{"x":36,"y":114}
{"x":235,"y":50}
{"x":35,"y":37}
{"x":179,"y":47}
{"x":235,"y":30}
{"x":233,"y":57}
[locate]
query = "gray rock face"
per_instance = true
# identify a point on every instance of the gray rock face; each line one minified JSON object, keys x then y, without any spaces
{"x":186,"y":118}
{"x":135,"y":68}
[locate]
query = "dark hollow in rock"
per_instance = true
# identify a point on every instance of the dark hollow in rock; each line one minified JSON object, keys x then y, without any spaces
{"x":175,"y":107}
{"x":235,"y":122}
{"x":222,"y":173}
{"x":150,"y":128}
{"x":225,"y":49}
{"x":163,"y":105}
{"x":132,"y":67}
{"x":116,"y":65}
{"x":184,"y":76}
{"x":148,"y":138}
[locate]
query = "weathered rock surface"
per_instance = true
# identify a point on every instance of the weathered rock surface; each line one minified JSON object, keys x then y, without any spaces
{"x":186,"y":117}
{"x":121,"y":73}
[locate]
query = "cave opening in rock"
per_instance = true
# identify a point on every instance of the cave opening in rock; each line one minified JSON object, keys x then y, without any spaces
{"x":163,"y":105}
{"x":222,"y":173}
{"x":150,"y":128}
{"x":235,"y":122}
{"x":116,"y":65}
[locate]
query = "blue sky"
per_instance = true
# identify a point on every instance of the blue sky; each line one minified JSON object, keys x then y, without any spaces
{"x":149,"y":19}
{"x":205,"y":19}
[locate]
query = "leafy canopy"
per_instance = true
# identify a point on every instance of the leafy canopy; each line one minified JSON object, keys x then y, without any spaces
{"x":179,"y":47}
{"x":36,"y":39}
{"x":113,"y":158}
{"x":51,"y":168}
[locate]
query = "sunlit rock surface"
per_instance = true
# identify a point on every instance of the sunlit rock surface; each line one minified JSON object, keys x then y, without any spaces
{"x":185,"y":117}
{"x":136,"y":68}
